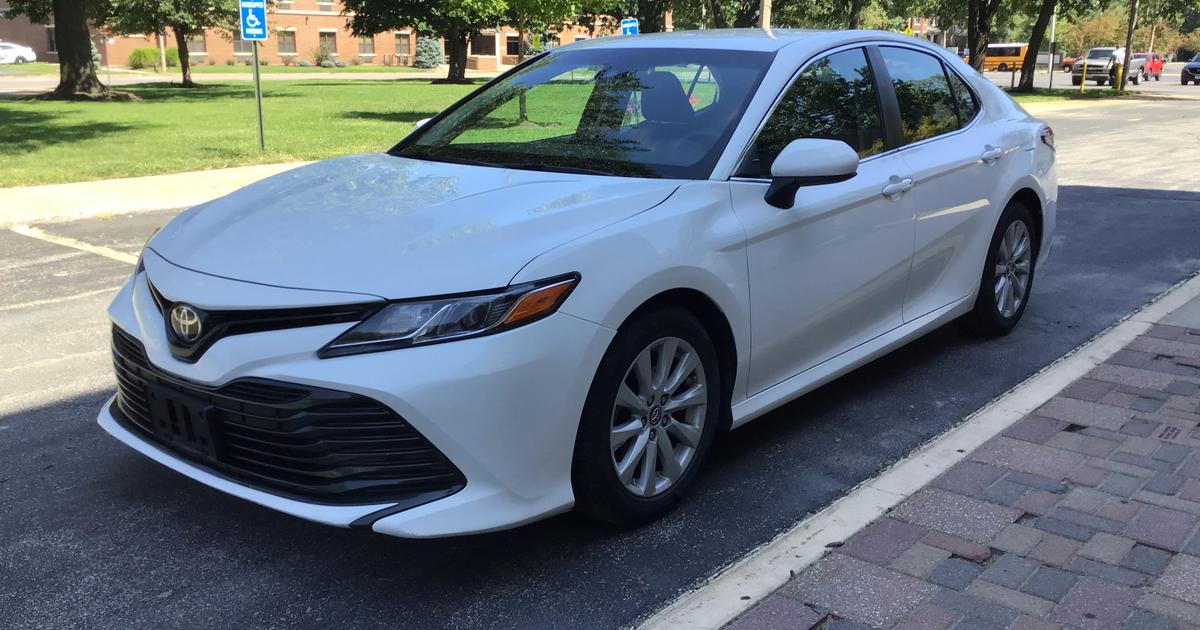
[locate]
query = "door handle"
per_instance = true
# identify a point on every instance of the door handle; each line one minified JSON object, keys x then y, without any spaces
{"x":897,"y":187}
{"x":991,"y":155}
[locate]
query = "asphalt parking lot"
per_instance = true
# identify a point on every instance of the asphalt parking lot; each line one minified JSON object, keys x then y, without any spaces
{"x":95,"y":535}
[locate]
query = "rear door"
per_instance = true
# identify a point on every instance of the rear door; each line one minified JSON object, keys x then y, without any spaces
{"x":952,"y":156}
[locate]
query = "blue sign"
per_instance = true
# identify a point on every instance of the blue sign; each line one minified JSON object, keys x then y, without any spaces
{"x":254,"y":19}
{"x":629,"y":26}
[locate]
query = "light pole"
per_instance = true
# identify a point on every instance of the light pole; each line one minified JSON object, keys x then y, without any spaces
{"x":766,"y":14}
{"x":1053,"y":44}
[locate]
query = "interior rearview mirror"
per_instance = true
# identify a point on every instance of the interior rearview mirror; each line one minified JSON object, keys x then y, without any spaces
{"x":809,"y":162}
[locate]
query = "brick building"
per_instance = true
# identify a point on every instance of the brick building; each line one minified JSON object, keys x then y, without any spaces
{"x":298,"y":28}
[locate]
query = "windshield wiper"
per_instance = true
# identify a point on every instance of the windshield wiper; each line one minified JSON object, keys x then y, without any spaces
{"x":558,"y":169}
{"x":452,"y":160}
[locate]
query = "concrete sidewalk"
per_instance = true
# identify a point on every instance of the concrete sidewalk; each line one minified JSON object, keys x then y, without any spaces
{"x":55,"y":202}
{"x":1084,"y":514}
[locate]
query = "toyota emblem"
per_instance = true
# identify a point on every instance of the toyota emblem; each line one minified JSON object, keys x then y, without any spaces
{"x":185,"y":321}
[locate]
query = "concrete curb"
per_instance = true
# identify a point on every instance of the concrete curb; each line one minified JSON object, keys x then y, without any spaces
{"x":738,"y":587}
{"x":65,"y":202}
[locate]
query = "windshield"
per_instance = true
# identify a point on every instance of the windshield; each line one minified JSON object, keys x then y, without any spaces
{"x":1100,"y":53}
{"x":1196,"y":58}
{"x":629,"y":112}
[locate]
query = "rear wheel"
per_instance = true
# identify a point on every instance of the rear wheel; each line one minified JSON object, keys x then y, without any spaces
{"x":1002,"y":67}
{"x":1007,"y":274}
{"x":1101,"y":81}
{"x":1136,"y":79}
{"x":21,"y":60}
{"x":1076,"y":81}
{"x":649,"y":418}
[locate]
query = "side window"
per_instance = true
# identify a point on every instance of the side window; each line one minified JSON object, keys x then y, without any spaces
{"x":833,"y":98}
{"x":927,"y":107}
{"x":967,"y":105}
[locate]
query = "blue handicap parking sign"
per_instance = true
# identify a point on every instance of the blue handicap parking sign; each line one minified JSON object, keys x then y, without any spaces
{"x":254,"y":19}
{"x":629,"y":26}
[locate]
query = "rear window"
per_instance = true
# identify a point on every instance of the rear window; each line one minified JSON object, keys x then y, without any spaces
{"x":927,"y":106}
{"x":1100,"y":53}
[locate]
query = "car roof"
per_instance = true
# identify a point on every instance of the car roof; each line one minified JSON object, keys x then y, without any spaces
{"x":754,"y":39}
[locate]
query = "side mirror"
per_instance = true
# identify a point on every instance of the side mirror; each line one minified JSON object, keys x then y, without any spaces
{"x":421,"y":123}
{"x":809,"y":162}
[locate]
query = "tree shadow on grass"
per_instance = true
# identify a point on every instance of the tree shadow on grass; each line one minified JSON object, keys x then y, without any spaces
{"x":390,"y":117}
{"x":26,"y":131}
{"x":173,"y":92}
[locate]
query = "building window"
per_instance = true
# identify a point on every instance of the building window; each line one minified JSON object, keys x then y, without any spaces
{"x":325,"y":6}
{"x":241,"y":46}
{"x":483,"y":44}
{"x":366,"y":46}
{"x":403,"y":47}
{"x":51,"y":45}
{"x":327,"y":40}
{"x":286,"y":41}
{"x":195,"y":44}
{"x":285,"y":4}
{"x":512,"y":45}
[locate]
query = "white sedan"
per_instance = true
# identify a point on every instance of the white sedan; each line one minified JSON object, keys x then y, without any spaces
{"x":562,"y":290}
{"x":16,"y":53}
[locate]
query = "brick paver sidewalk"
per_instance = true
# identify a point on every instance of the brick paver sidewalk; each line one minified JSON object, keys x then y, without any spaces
{"x":1084,"y":514}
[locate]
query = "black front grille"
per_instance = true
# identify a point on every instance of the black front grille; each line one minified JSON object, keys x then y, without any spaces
{"x":311,"y":443}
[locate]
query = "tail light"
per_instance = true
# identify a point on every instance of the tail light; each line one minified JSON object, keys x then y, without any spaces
{"x":1047,"y":137}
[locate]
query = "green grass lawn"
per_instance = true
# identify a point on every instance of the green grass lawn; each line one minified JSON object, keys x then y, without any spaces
{"x":279,"y":69}
{"x":36,"y":67}
{"x":175,"y":129}
{"x":1065,"y":94}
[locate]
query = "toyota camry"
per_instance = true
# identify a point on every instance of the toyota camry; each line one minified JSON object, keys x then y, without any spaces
{"x":562,"y":290}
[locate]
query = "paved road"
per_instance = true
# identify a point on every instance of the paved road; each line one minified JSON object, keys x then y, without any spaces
{"x":95,"y":535}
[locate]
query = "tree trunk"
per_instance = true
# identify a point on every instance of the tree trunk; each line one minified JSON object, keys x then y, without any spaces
{"x":856,"y":7}
{"x":76,"y":69}
{"x":1029,"y":65}
{"x":522,"y":107}
{"x":979,"y":29}
{"x":1128,"y":60}
{"x":456,"y":44}
{"x":185,"y":63}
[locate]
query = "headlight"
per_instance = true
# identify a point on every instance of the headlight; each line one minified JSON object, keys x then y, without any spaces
{"x":420,"y":322}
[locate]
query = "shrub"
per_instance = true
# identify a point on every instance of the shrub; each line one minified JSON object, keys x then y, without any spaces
{"x":303,"y":63}
{"x":339,"y":64}
{"x":356,"y":61}
{"x":328,"y":63}
{"x":429,"y":53}
{"x":321,"y":55}
{"x":172,"y":57}
{"x":288,"y":61}
{"x":264,"y":62}
{"x":230,"y":62}
{"x":210,"y":61}
{"x":143,"y":57}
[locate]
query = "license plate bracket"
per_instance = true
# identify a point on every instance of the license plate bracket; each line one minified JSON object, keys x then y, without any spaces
{"x":185,"y":422}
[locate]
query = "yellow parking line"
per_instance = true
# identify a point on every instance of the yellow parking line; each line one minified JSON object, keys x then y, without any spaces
{"x":99,"y":250}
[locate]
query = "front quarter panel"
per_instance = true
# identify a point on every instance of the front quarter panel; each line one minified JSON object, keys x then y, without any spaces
{"x":691,"y":241}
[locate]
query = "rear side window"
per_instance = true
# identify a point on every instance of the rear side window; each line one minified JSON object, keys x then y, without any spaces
{"x":968,"y":106}
{"x":927,"y":105}
{"x":833,"y":98}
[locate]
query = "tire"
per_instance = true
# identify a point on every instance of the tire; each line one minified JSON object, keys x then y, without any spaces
{"x":1158,"y":77}
{"x":21,"y":60}
{"x":599,"y":490}
{"x":1136,"y":79}
{"x":988,"y":318}
{"x":1002,"y":67}
{"x":1101,"y":81}
{"x":1076,"y":81}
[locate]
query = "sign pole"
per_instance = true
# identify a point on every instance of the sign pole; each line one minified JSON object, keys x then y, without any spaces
{"x":258,"y":98}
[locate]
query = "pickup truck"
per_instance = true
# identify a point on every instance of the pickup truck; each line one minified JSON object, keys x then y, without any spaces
{"x":1101,"y":64}
{"x":1154,"y":65}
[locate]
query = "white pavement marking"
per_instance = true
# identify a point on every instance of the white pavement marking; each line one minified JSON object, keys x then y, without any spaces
{"x":739,"y":586}
{"x":65,"y":298}
{"x":66,"y":241}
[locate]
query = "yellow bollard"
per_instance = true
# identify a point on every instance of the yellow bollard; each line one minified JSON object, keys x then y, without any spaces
{"x":1117,"y":79}
{"x":1084,"y":75}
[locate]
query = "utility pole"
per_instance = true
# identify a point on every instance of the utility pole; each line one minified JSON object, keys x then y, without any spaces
{"x":1133,"y":11}
{"x":1053,"y":44}
{"x":766,"y":14}
{"x":162,"y":53}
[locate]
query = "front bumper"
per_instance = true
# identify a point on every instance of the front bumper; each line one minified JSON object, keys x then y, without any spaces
{"x":503,"y":409}
{"x":1093,"y":72}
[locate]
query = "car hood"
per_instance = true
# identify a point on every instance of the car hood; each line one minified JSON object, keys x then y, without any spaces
{"x":396,"y":227}
{"x":1192,"y":64}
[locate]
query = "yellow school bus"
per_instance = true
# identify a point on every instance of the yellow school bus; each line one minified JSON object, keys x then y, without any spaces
{"x":1005,"y":57}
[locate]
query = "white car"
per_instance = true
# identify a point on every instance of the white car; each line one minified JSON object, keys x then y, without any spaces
{"x":16,"y":53}
{"x":560,"y":291}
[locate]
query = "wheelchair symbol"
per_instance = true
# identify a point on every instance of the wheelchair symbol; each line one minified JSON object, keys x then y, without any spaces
{"x":252,"y":20}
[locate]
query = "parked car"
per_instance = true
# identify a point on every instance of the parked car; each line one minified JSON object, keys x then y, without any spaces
{"x":1153,"y":66}
{"x":1101,"y":64}
{"x":16,"y":53}
{"x":504,"y":317}
{"x":1191,"y":71}
{"x":1068,"y":62}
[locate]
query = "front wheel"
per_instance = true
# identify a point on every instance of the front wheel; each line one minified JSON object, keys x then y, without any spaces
{"x":649,"y":418}
{"x":1007,"y":274}
{"x":1101,"y":81}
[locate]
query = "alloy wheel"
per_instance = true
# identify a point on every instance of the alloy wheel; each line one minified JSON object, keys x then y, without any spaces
{"x":658,"y":417}
{"x":1014,"y":261}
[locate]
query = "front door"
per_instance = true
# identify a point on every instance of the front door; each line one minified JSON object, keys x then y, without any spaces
{"x":829,"y":273}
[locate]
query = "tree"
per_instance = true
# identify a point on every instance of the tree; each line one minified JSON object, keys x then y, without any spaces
{"x":980,"y":14}
{"x":183,"y":17}
{"x":73,"y":41}
{"x":454,"y":20}
{"x":1029,"y":64}
{"x":539,"y":16}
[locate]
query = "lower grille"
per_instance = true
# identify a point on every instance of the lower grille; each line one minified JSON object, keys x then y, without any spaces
{"x":307,"y":442}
